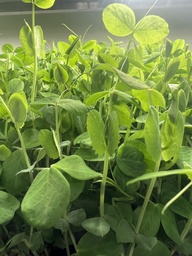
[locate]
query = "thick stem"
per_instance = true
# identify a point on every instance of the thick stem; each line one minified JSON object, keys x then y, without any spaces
{"x":103,"y":183}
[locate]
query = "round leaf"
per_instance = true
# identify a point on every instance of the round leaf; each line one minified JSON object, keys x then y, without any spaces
{"x":97,"y":226}
{"x":47,"y":199}
{"x":18,"y":107}
{"x":119,"y":19}
{"x":44,"y":4}
{"x":151,"y":29}
{"x":8,"y":206}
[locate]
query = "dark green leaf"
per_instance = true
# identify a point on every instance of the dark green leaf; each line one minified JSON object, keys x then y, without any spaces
{"x":93,"y":245}
{"x":76,"y":217}
{"x":124,"y":232}
{"x":131,"y":161}
{"x":170,"y":226}
{"x":14,"y":183}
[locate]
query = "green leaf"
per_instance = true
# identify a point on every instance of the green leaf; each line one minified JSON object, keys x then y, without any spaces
{"x":77,"y":187}
{"x":30,"y":138}
{"x":112,"y":216}
{"x":159,"y":249}
{"x":152,"y":134}
{"x":97,"y":226}
{"x":96,"y":130}
{"x":145,"y":243}
{"x":93,"y":245}
{"x":44,"y":4}
{"x":172,"y":137}
{"x":124,"y":232}
{"x":151,"y":29}
{"x":185,"y":157}
{"x":75,"y":167}
{"x":46,"y":200}
{"x":8,"y":206}
{"x":123,"y":113}
{"x":132,"y":82}
{"x":93,"y":98}
{"x":26,"y":40}
{"x":170,"y":226}
{"x":12,"y":182}
{"x":75,"y":107}
{"x":76,"y":217}
{"x":60,"y":74}
{"x":149,"y":97}
{"x":18,"y":107}
{"x":46,"y":140}
{"x":39,"y":40}
{"x":151,"y":221}
{"x":5,"y":152}
{"x":171,"y":69}
{"x":7,"y":48}
{"x":15,"y":85}
{"x":113,"y":136}
{"x":119,"y":19}
{"x":130,"y":160}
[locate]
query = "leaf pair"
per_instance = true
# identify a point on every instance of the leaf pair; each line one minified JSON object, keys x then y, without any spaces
{"x":120,"y":20}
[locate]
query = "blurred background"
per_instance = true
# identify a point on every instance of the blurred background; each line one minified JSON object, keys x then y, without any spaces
{"x":79,"y":15}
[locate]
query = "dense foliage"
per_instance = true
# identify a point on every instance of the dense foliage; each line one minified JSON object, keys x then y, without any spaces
{"x":95,"y":141}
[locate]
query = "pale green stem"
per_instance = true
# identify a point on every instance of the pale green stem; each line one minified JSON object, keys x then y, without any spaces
{"x":176,"y":197}
{"x":57,"y":133}
{"x":73,"y":239}
{"x":183,"y":234}
{"x":67,"y":244}
{"x":144,"y":206}
{"x":103,"y":183}
{"x":34,"y":89}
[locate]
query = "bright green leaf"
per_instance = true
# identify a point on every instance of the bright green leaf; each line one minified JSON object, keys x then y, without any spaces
{"x":44,"y":4}
{"x":96,"y":130}
{"x":5,"y":152}
{"x":18,"y":107}
{"x":151,"y":29}
{"x":26,"y":40}
{"x":149,"y":97}
{"x":119,"y":19}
